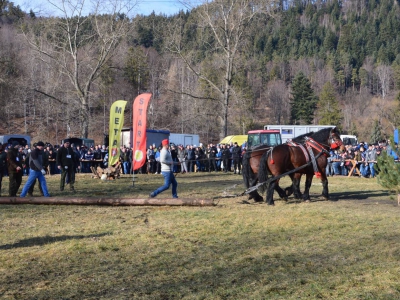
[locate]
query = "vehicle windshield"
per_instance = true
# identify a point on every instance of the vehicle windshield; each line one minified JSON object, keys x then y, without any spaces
{"x":253,"y":139}
{"x":270,"y":139}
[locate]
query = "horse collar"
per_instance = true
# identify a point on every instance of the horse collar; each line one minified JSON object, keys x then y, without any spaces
{"x":317,"y":146}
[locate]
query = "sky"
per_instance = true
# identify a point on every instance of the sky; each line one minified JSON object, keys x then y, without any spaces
{"x":144,"y":7}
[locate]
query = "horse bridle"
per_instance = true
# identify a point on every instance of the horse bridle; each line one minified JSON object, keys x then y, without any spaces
{"x":334,"y":143}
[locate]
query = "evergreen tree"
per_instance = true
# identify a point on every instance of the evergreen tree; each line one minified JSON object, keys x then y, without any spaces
{"x":136,"y":70}
{"x":396,"y":74}
{"x":388,"y":172}
{"x":328,"y":106}
{"x":304,"y":101}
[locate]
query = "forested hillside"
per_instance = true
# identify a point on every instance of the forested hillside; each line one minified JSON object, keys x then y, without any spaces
{"x":221,"y":68}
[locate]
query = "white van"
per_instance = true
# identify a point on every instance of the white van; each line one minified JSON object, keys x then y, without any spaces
{"x":349,"y":139}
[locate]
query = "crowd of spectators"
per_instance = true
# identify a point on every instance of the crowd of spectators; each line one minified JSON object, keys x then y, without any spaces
{"x":201,"y":158}
{"x":192,"y":158}
{"x":364,"y":155}
{"x":87,"y":156}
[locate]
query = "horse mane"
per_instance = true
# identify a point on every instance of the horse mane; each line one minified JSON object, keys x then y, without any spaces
{"x":322,"y":135}
{"x":301,"y":138}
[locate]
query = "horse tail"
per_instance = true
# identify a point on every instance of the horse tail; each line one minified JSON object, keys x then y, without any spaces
{"x":246,"y":169}
{"x":263,"y":170}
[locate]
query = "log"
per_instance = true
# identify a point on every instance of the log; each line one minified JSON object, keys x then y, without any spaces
{"x":108,"y":201}
{"x":94,"y":172}
{"x":111,"y":172}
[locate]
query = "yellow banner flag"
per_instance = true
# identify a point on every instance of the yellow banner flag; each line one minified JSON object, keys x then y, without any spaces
{"x":116,"y":123}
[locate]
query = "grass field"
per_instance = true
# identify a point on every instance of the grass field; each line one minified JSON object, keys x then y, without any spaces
{"x":348,"y":248}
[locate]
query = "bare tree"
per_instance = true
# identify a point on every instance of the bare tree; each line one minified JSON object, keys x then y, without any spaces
{"x":225,"y":23}
{"x":385,"y":77}
{"x":78,"y":46}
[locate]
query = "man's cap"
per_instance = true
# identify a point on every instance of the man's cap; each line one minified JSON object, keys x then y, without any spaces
{"x":40,"y":143}
{"x":164,"y":142}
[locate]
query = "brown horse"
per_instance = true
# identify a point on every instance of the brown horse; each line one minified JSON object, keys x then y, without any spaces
{"x":285,"y":158}
{"x":251,"y":164}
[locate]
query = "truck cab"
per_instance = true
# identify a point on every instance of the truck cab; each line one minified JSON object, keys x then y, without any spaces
{"x":266,"y":137}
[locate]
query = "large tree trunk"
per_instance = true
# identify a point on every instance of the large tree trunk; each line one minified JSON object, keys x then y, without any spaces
{"x":84,"y":118}
{"x":109,"y":201}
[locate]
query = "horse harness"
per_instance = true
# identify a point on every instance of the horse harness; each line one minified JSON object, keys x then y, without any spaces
{"x":309,"y":153}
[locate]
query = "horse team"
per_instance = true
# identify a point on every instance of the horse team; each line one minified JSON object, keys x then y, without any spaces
{"x":307,"y":154}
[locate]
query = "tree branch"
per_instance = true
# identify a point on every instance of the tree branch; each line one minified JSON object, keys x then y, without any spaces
{"x":192,"y":96}
{"x":49,"y":96}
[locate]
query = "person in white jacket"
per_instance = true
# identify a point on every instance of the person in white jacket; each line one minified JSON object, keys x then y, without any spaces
{"x":166,"y":170}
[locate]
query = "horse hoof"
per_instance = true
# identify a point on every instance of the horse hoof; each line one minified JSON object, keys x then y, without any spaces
{"x":284,"y":198}
{"x":288,"y":191}
{"x":258,"y":198}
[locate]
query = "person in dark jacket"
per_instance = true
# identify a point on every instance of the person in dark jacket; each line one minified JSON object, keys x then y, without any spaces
{"x":212,"y":154}
{"x":51,"y":158}
{"x":225,"y":157}
{"x":126,"y":157}
{"x":191,"y":156}
{"x":199,"y":156}
{"x":236,"y":158}
{"x":36,"y":171}
{"x":88,"y":157}
{"x":32,"y":187}
{"x":67,"y":161}
{"x":14,"y":166}
{"x":3,"y":163}
{"x":174,"y":155}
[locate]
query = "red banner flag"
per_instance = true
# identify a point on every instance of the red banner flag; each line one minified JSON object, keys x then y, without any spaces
{"x":139,"y":130}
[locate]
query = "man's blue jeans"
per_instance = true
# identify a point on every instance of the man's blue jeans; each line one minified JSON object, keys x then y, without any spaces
{"x":336,"y":168}
{"x":31,"y":179}
{"x":372,"y":169}
{"x":364,"y":170}
{"x":169,"y":179}
{"x":126,"y":165}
